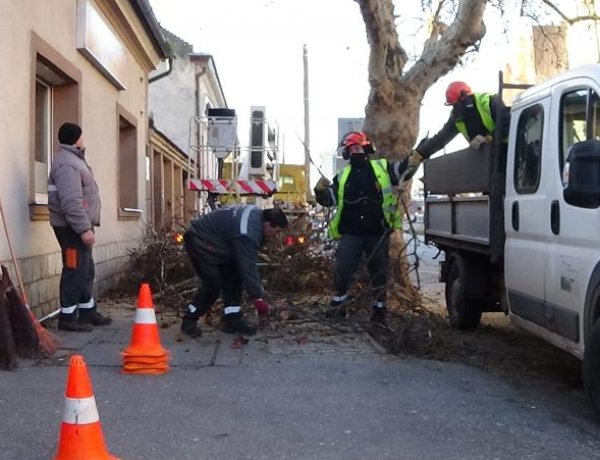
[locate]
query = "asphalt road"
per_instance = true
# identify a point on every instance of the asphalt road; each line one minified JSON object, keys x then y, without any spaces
{"x":326,"y":397}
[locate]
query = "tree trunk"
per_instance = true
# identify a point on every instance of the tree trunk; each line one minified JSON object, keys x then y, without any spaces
{"x":392,"y":112}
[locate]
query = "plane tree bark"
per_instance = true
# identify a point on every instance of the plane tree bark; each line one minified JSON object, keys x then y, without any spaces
{"x":392,"y":111}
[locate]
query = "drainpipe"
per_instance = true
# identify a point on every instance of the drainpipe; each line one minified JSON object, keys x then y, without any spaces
{"x":165,"y":73}
{"x":199,"y":160}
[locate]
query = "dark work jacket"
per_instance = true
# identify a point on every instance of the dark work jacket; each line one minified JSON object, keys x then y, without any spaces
{"x":362,"y":213}
{"x":467,"y":112}
{"x":231,"y":236}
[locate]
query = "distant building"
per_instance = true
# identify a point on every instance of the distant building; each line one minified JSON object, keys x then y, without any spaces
{"x":179,"y":103}
{"x":543,"y":51}
{"x":345,"y":126}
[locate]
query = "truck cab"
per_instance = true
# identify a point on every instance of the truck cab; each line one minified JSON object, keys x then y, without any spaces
{"x":552,"y":249}
{"x":521,"y":229}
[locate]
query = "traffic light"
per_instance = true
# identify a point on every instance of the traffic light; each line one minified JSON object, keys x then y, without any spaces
{"x":257,"y":140}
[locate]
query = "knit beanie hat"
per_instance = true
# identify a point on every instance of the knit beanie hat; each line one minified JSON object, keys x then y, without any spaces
{"x":69,"y":133}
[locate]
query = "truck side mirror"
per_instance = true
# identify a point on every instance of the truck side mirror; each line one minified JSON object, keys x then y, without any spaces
{"x":583,"y":189}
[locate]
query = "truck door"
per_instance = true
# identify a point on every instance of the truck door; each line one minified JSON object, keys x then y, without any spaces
{"x":574,"y":242}
{"x":527,"y":229}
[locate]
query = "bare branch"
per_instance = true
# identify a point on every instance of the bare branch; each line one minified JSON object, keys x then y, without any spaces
{"x":571,"y":20}
{"x":551,"y":5}
{"x":555,"y":8}
{"x":466,"y":31}
{"x":437,"y":28}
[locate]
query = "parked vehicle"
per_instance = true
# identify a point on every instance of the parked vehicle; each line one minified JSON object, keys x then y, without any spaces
{"x":519,"y":222}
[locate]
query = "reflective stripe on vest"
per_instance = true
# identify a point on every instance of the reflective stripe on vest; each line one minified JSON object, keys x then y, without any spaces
{"x":389,"y":205}
{"x":482,"y":104}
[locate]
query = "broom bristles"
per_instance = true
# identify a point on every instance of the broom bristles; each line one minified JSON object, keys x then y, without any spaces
{"x":48,"y":341}
{"x":8,"y":353}
{"x":26,"y":338}
{"x":31,"y":339}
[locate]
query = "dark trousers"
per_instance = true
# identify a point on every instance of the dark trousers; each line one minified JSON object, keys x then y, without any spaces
{"x":349,"y":254}
{"x":216,"y":280}
{"x":78,"y":272}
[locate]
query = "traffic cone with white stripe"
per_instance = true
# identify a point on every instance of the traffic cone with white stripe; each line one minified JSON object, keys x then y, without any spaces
{"x":145,"y":354}
{"x":81,"y":432}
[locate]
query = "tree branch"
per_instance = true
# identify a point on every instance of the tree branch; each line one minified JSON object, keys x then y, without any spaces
{"x":437,"y":28}
{"x":466,"y":31}
{"x":387,"y":57}
{"x":570,"y":20}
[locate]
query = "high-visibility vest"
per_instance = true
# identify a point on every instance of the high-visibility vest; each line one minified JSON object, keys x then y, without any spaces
{"x":482,"y":104}
{"x":389,"y":205}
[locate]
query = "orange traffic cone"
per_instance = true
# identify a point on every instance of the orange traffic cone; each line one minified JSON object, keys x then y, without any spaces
{"x":145,"y":354}
{"x":81,"y":432}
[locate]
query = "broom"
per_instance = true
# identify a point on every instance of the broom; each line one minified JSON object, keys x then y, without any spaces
{"x":8,"y":354}
{"x":48,"y":343}
{"x":27,"y":340}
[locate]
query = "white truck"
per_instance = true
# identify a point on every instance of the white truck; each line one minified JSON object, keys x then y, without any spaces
{"x":520,"y":221}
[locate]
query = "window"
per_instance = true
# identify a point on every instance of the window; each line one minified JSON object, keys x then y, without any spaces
{"x":285,"y":180}
{"x":128,"y":174}
{"x":55,"y":99}
{"x":528,"y":150}
{"x":43,"y":140}
{"x":580,"y":121}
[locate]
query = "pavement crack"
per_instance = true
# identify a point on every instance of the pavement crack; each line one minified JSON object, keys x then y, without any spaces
{"x":213,"y":358}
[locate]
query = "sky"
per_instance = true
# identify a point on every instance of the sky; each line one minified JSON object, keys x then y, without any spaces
{"x":257,"y":46}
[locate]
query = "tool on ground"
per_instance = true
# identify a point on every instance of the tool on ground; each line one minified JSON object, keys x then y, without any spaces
{"x":26,"y":337}
{"x":48,"y":342}
{"x":81,"y":431}
{"x":145,"y":354}
{"x":8,"y":352}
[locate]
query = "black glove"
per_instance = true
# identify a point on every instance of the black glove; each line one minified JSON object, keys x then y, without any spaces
{"x":322,"y":184}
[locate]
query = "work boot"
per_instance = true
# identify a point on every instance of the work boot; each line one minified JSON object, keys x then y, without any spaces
{"x":91,"y":316}
{"x":189,"y":326}
{"x":337,"y":307}
{"x":234,"y":324}
{"x":70,"y":323}
{"x":378,"y":313}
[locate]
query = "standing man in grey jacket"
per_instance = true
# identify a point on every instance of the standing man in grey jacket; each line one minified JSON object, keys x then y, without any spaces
{"x":222,"y":246}
{"x":74,"y":205}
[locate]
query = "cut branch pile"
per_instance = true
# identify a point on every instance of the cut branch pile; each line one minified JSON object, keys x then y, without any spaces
{"x":300,"y":260}
{"x":159,"y":260}
{"x":298,"y":265}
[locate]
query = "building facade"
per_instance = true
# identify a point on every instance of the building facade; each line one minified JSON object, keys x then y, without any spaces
{"x":178,"y":105}
{"x":88,"y":62}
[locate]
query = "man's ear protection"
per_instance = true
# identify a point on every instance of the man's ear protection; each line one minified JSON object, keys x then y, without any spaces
{"x":355,"y":138}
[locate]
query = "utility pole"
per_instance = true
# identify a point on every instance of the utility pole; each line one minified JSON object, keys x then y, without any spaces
{"x":306,"y":124}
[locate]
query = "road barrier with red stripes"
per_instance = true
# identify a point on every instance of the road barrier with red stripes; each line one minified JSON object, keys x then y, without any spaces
{"x":237,"y":186}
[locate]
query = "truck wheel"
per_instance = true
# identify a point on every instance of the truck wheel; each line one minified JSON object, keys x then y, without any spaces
{"x":464,"y":313}
{"x":591,"y":360}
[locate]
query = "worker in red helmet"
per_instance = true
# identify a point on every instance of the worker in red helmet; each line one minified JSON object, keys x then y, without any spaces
{"x":367,"y":212}
{"x":473,"y":115}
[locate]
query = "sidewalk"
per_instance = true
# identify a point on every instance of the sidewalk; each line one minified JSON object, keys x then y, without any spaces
{"x":296,"y":395}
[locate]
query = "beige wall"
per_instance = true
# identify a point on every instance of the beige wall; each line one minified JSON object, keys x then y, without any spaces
{"x":23,"y":25}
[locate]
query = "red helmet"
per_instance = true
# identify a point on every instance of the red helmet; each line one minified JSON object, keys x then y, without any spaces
{"x":355,"y":138}
{"x":456,"y":91}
